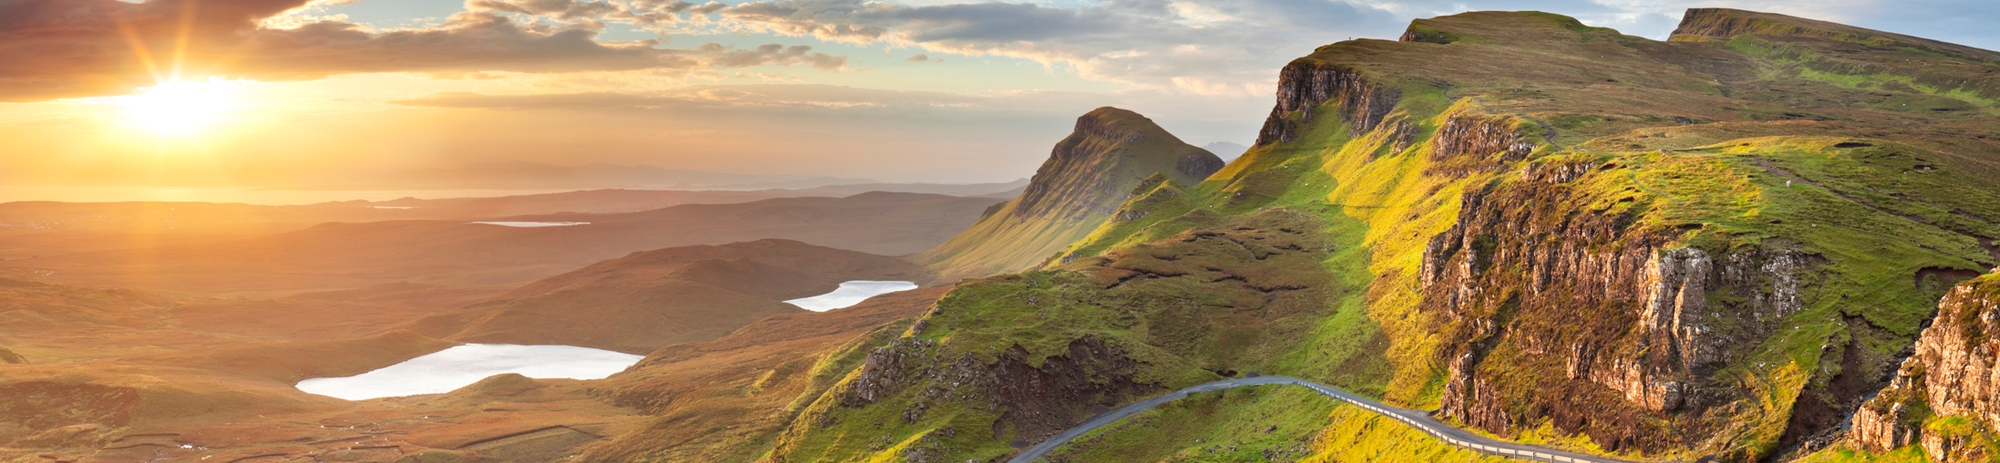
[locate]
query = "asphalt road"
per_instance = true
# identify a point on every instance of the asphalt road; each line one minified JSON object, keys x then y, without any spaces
{"x":1418,"y":419}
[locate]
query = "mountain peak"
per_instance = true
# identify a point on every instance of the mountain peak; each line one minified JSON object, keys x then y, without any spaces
{"x":1093,"y":163}
{"x":1086,"y":177}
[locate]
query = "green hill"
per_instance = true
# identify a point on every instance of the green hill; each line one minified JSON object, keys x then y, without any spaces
{"x":1081,"y":185}
{"x":1708,"y":247}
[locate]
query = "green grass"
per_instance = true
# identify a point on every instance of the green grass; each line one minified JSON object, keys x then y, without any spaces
{"x":1257,"y":424}
{"x":1910,"y":454}
{"x":1863,"y":220}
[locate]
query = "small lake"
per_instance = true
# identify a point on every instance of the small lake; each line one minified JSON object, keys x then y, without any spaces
{"x":460,"y":366}
{"x":851,"y":293}
{"x":533,"y":224}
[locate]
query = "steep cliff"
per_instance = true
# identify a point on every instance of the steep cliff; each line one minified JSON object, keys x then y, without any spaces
{"x":1715,"y":248}
{"x":1087,"y":176}
{"x":1946,"y":396}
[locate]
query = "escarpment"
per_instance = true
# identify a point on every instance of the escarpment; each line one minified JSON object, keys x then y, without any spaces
{"x":1306,"y":84}
{"x":1608,"y":322}
{"x":1946,"y":396}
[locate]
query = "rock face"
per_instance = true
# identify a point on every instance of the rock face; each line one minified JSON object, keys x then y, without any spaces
{"x":1612,"y":322}
{"x":1551,"y":224}
{"x":1087,"y":176}
{"x":1304,"y":85}
{"x":1947,"y":395}
{"x":8,"y":356}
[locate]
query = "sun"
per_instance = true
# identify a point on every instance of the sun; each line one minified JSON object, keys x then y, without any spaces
{"x":179,"y":108}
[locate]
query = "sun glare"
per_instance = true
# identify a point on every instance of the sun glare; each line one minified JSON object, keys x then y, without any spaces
{"x":180,"y":108}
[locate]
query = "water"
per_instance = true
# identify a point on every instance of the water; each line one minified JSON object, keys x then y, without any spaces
{"x":533,"y":224}
{"x":460,"y":366}
{"x":851,"y":293}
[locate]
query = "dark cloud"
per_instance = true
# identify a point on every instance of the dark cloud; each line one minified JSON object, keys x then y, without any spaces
{"x":72,"y":48}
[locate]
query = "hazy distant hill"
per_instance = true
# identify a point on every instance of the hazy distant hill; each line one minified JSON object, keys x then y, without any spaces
{"x":519,"y":174}
{"x":454,"y":252}
{"x":1225,"y":150}
{"x":650,"y":299}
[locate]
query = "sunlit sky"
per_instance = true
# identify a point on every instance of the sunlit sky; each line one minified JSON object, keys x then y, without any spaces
{"x":335,"y":92}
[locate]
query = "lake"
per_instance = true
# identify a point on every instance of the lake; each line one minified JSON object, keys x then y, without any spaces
{"x":851,"y":293}
{"x":459,"y":366}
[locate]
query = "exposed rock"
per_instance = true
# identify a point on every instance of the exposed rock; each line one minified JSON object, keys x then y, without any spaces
{"x":1615,"y":323}
{"x":1196,"y":165}
{"x":1882,"y":430}
{"x":1468,"y":144}
{"x":1305,"y":84}
{"x":1952,"y":379}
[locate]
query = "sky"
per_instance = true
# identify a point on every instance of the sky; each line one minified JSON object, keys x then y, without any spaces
{"x":195,"y":93}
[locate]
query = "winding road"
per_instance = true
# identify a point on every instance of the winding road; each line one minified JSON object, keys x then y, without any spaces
{"x":1418,"y":419}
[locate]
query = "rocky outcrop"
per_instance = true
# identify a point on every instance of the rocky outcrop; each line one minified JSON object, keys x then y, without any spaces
{"x":1590,"y":321}
{"x":1472,"y":144}
{"x":8,"y":356}
{"x":1033,"y":400}
{"x":1306,"y":84}
{"x":1198,"y":165}
{"x":1946,"y":396}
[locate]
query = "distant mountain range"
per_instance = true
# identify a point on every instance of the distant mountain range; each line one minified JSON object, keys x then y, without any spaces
{"x":532,"y":175}
{"x":1225,"y":150}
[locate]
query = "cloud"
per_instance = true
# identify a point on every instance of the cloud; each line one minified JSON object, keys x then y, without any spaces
{"x":643,"y":13}
{"x":1214,"y":47}
{"x":72,"y":48}
{"x":711,"y":98}
{"x":722,"y":56}
{"x":922,"y":58}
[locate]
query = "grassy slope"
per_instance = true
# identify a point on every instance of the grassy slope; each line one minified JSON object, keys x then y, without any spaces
{"x":1255,"y":424}
{"x":1739,"y":125}
{"x":1087,"y":176}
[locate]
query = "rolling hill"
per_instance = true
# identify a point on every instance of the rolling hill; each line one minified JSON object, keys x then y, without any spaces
{"x":457,"y":253}
{"x":647,"y":300}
